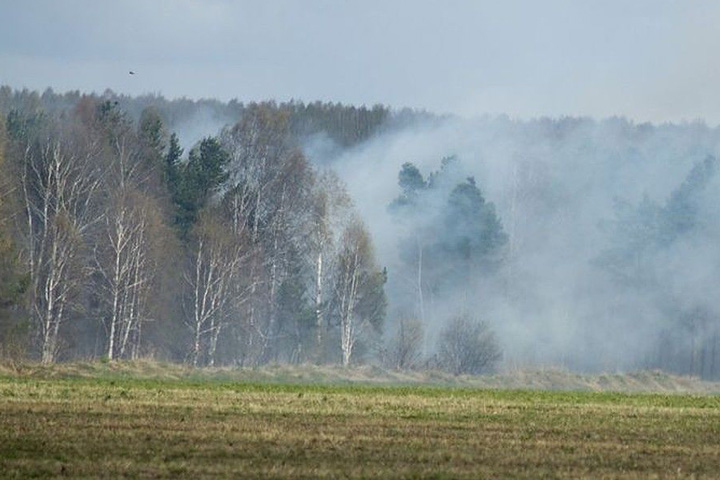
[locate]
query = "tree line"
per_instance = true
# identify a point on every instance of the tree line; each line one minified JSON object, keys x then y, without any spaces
{"x":115,"y":244}
{"x":345,"y":125}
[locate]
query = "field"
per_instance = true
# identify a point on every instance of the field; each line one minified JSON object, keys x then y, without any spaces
{"x":112,"y":426}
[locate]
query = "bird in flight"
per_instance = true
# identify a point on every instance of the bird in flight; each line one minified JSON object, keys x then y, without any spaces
{"x":131,"y":72}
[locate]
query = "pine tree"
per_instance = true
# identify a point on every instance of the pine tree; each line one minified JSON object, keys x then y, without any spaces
{"x":198,"y":180}
{"x":172,"y":163}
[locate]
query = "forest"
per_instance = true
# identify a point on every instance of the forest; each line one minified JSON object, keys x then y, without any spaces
{"x":214,"y":233}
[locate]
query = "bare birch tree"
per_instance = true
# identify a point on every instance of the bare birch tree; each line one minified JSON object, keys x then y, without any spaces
{"x":217,"y":258}
{"x":123,"y":257}
{"x":59,"y":179}
{"x":126,"y":270}
{"x":331,"y":209}
{"x":268,"y":198}
{"x":358,"y":292}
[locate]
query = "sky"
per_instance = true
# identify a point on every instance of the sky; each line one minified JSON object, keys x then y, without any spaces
{"x":648,"y":60}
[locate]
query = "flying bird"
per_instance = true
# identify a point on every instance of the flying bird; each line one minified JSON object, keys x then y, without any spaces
{"x":131,"y":72}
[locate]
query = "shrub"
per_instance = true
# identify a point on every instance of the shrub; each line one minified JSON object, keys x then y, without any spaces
{"x":467,"y":345}
{"x":405,"y":349}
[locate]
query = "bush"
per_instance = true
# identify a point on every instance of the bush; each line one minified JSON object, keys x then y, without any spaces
{"x":405,"y":349}
{"x":467,"y":346}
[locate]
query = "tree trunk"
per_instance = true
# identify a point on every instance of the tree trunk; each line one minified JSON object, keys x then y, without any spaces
{"x":421,"y":296}
{"x":319,"y":324}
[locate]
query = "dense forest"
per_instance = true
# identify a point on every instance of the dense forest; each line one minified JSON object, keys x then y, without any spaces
{"x":218,"y":233}
{"x":118,"y":244}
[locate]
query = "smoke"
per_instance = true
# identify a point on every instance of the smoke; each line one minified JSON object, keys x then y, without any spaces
{"x":556,"y":186}
{"x":202,"y":122}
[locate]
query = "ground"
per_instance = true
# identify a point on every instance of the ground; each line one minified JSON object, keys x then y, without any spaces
{"x":59,"y":426}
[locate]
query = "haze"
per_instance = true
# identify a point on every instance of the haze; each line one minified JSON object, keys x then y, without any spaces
{"x":556,"y":176}
{"x":648,"y":60}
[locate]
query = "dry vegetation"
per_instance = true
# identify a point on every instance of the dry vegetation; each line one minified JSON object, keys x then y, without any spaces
{"x":525,"y":379}
{"x":118,"y":421}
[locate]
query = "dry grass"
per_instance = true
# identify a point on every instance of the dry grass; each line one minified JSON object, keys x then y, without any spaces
{"x":532,"y":379}
{"x":140,"y":428}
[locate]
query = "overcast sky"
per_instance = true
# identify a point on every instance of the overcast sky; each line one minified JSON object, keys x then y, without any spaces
{"x":651,"y":60}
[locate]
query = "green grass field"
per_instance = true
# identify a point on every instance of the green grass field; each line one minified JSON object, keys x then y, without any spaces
{"x":214,"y":428}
